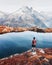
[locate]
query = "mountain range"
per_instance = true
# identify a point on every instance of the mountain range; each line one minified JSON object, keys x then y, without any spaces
{"x":26,"y":17}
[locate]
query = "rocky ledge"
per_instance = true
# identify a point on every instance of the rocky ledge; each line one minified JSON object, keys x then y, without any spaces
{"x":5,"y":29}
{"x":39,"y":57}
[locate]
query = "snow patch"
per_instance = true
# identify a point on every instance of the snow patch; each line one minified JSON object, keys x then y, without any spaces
{"x":42,"y":51}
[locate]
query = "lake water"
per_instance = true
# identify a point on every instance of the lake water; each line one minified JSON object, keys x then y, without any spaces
{"x":11,"y":43}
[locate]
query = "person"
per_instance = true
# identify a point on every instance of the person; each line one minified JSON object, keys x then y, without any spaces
{"x":33,"y":44}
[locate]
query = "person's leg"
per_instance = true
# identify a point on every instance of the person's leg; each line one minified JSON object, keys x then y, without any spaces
{"x":35,"y":48}
{"x":32,"y":49}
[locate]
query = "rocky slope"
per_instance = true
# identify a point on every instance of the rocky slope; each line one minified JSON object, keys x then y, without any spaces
{"x":41,"y":57}
{"x":5,"y":29}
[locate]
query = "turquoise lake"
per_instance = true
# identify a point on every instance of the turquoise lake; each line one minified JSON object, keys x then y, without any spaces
{"x":18,"y":42}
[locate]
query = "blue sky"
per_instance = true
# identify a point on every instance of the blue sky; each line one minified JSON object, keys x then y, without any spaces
{"x":13,"y":5}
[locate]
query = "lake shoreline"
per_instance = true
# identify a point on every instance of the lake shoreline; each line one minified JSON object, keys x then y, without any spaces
{"x":6,"y":29}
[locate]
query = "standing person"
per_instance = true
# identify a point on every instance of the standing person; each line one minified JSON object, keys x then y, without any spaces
{"x":33,"y":44}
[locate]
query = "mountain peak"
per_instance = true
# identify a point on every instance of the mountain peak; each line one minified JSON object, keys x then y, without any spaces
{"x":26,"y":9}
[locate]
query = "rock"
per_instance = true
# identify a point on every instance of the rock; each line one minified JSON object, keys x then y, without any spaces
{"x":27,"y":58}
{"x":20,"y":29}
{"x":48,"y":30}
{"x":5,"y":29}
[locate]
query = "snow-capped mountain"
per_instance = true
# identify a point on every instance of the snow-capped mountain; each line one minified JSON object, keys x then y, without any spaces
{"x":3,"y":17}
{"x":26,"y":17}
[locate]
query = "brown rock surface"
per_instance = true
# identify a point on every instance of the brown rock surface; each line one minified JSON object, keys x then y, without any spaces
{"x":5,"y":29}
{"x":20,"y":29}
{"x":48,"y":30}
{"x":28,"y":58}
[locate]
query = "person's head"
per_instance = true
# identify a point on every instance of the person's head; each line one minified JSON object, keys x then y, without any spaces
{"x":33,"y":37}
